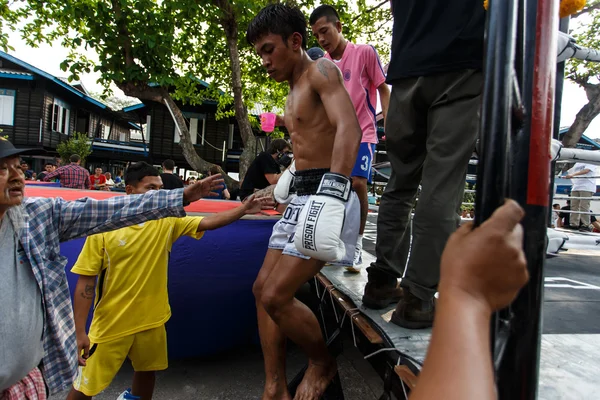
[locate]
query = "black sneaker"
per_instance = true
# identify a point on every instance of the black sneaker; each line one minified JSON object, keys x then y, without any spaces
{"x":414,"y":313}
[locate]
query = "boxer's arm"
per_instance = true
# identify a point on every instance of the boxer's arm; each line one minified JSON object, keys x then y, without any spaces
{"x":326,"y":80}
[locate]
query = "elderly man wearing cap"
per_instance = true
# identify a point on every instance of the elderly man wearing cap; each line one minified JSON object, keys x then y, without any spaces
{"x":38,"y":347}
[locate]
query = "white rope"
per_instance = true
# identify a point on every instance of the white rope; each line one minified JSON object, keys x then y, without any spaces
{"x":579,"y":177}
{"x":565,"y":197}
{"x":558,"y":152}
{"x":337,"y":320}
{"x":380,"y":351}
{"x":576,"y":212}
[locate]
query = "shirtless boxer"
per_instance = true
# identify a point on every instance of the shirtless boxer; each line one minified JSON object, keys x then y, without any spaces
{"x":322,"y":219}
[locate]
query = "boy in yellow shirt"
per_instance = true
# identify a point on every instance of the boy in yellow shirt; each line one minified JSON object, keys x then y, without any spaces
{"x":127,"y":269}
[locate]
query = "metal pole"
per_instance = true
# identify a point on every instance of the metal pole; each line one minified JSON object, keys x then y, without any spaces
{"x":560,"y":80}
{"x":518,"y":372}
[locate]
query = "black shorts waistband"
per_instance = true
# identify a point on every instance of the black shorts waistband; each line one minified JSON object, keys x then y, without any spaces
{"x":306,"y":182}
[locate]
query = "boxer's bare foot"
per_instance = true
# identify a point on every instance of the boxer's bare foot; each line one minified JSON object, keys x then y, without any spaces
{"x":276,"y":392}
{"x":316,"y":379}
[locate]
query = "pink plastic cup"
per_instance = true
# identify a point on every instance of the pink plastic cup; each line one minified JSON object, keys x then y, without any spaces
{"x":267,"y":121}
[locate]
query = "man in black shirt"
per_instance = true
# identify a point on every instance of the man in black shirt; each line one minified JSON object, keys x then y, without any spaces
{"x":170,"y":180}
{"x":432,"y":125}
{"x":265,"y":170}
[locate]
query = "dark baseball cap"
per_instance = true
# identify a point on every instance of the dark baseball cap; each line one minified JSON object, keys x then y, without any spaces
{"x":7,"y":149}
{"x":315,"y":53}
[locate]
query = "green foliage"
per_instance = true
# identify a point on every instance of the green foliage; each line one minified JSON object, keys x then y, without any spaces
{"x":174,"y":42}
{"x":78,"y":143}
{"x":587,"y":34}
{"x":468,"y":198}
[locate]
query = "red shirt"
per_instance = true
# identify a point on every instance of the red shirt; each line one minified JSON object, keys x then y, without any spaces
{"x":100,"y":180}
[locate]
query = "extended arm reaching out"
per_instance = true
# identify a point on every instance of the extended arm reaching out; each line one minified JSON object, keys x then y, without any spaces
{"x":251,"y":205}
{"x":482,"y":270}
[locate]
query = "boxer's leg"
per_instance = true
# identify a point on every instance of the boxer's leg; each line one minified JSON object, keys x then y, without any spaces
{"x":298,"y":322}
{"x":272,"y":340}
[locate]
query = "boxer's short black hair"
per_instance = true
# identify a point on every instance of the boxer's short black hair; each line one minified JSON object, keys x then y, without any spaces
{"x":138,"y":171}
{"x":326,"y":11}
{"x":278,"y":19}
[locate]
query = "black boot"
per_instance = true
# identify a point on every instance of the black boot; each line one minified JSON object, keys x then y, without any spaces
{"x":381,"y":290}
{"x":414,"y":313}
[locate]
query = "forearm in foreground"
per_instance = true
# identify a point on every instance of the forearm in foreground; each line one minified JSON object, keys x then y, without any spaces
{"x":460,"y":346}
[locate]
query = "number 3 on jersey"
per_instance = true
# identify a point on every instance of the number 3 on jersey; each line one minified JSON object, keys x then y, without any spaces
{"x":365,"y":166}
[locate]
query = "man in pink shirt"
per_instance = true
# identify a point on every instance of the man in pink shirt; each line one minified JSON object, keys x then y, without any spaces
{"x":363,"y":77}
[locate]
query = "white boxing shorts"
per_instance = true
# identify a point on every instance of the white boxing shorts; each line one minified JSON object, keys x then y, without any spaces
{"x":282,"y":237}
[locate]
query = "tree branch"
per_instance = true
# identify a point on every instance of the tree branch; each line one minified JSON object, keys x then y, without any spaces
{"x":370,"y":10}
{"x":124,"y":33}
{"x":586,"y":10}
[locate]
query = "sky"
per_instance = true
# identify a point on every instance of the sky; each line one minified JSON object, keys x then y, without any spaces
{"x":48,"y":58}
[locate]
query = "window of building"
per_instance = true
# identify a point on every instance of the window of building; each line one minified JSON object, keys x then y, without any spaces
{"x":7,"y":106}
{"x":196,"y":127}
{"x":61,"y":117}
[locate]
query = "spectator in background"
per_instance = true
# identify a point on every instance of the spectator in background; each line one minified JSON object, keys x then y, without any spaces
{"x":119,"y":178}
{"x":584,"y":185}
{"x":315,"y":53}
{"x":265,"y":170}
{"x":170,"y":180}
{"x":72,"y":176}
{"x":98,"y":180}
{"x":109,"y":182}
{"x":555,"y":216}
{"x":48,"y":168}
{"x":223,"y":193}
{"x":364,"y":79}
{"x":26,"y":171}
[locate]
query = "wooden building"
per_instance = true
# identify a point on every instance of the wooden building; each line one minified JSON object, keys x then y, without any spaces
{"x":39,"y":110}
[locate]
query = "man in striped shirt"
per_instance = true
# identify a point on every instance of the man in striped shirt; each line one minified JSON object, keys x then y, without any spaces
{"x":38,"y":347}
{"x":72,"y":176}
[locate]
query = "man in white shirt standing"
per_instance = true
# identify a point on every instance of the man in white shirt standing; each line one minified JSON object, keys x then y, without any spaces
{"x":584,"y":185}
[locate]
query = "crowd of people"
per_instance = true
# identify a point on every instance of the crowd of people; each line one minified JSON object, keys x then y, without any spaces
{"x":431,"y":118}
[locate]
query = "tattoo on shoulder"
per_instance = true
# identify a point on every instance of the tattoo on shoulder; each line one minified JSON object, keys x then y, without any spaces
{"x":326,"y":66}
{"x":322,"y":66}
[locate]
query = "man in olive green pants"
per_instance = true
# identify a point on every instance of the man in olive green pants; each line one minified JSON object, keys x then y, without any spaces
{"x":431,"y":131}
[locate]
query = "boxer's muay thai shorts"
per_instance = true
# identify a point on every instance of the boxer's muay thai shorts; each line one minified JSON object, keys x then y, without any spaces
{"x":306,"y":184}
